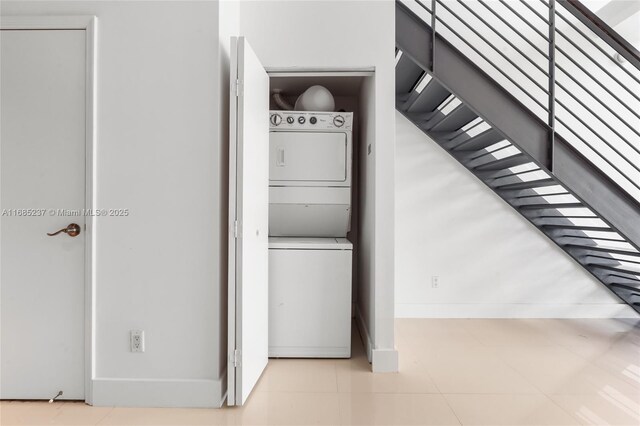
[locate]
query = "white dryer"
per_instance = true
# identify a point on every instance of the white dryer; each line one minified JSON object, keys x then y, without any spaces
{"x":310,"y":165}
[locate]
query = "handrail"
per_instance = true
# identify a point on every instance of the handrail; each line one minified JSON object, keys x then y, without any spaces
{"x":589,"y":98}
{"x":604,"y":31}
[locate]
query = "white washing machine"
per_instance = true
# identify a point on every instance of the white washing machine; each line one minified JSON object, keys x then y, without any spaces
{"x":310,"y":297}
{"x":310,"y":259}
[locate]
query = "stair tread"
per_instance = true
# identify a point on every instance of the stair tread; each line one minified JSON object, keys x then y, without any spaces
{"x":555,"y":213}
{"x":407,"y":74}
{"x":563,"y":220}
{"x":546,"y":206}
{"x":528,"y":184}
{"x":457,"y":118}
{"x":621,"y":268}
{"x":626,"y":287}
{"x":527,"y":193}
{"x":586,"y":252}
{"x":606,"y":259}
{"x":483,"y":140}
{"x":432,"y":120}
{"x":573,"y":242}
{"x":504,"y":163}
{"x":561,"y":234}
{"x":508,"y":175}
{"x":576,"y":227}
{"x":550,"y":201}
{"x":611,"y":275}
{"x":427,"y":100}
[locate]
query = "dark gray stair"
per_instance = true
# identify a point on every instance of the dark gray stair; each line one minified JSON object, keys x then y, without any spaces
{"x":524,"y":185}
{"x":574,"y":213}
{"x":585,"y":252}
{"x":503,"y":163}
{"x":481,"y":141}
{"x":407,"y":75}
{"x":562,"y":229}
{"x":427,"y":100}
{"x":594,"y":235}
{"x":503,"y":144}
{"x":455,"y":120}
{"x":569,"y":243}
{"x":525,"y":192}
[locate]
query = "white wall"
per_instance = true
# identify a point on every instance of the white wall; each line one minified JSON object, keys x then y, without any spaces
{"x":159,"y":155}
{"x":229,"y":25}
{"x":490,"y":261}
{"x":344,"y":34}
{"x":365,"y":294}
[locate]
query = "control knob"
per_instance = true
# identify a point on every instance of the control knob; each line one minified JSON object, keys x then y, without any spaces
{"x":276,"y":119}
{"x":338,"y":121}
{"x":290,"y":120}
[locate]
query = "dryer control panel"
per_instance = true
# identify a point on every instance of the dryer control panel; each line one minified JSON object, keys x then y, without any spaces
{"x":310,"y":120}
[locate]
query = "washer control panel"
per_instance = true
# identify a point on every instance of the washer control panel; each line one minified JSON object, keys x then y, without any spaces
{"x":310,"y":120}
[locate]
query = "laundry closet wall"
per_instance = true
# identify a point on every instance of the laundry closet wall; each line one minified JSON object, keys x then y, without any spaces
{"x":348,"y":35}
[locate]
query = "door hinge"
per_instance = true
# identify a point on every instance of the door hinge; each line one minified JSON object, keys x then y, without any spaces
{"x":236,"y":360}
{"x":238,"y":87}
{"x":235,"y":229}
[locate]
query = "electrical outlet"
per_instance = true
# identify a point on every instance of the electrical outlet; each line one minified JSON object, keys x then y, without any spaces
{"x":137,"y":340}
{"x":435,"y":281}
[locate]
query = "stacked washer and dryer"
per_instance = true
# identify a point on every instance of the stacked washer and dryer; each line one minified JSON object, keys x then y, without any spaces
{"x":310,"y":258}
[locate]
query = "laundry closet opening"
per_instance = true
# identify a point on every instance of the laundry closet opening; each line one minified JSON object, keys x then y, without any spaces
{"x":320,"y":211}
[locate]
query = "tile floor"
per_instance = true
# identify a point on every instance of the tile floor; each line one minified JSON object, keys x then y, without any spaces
{"x":471,"y":372}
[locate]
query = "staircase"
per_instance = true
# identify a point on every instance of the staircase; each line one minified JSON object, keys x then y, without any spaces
{"x":524,"y":158}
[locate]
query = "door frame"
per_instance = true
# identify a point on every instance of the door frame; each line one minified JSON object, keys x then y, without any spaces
{"x":89,"y":24}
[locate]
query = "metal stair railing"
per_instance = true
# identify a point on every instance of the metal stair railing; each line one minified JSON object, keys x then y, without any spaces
{"x":558,"y":59}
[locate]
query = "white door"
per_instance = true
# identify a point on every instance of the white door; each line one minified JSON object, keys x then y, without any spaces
{"x":249,"y":221}
{"x":42,"y":167}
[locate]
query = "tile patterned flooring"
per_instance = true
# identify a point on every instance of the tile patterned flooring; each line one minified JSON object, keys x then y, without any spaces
{"x":470,"y":372}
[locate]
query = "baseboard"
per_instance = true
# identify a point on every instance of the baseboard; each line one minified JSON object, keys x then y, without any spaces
{"x":158,"y":393}
{"x":364,"y":333}
{"x":514,"y":310}
{"x":385,"y":361}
